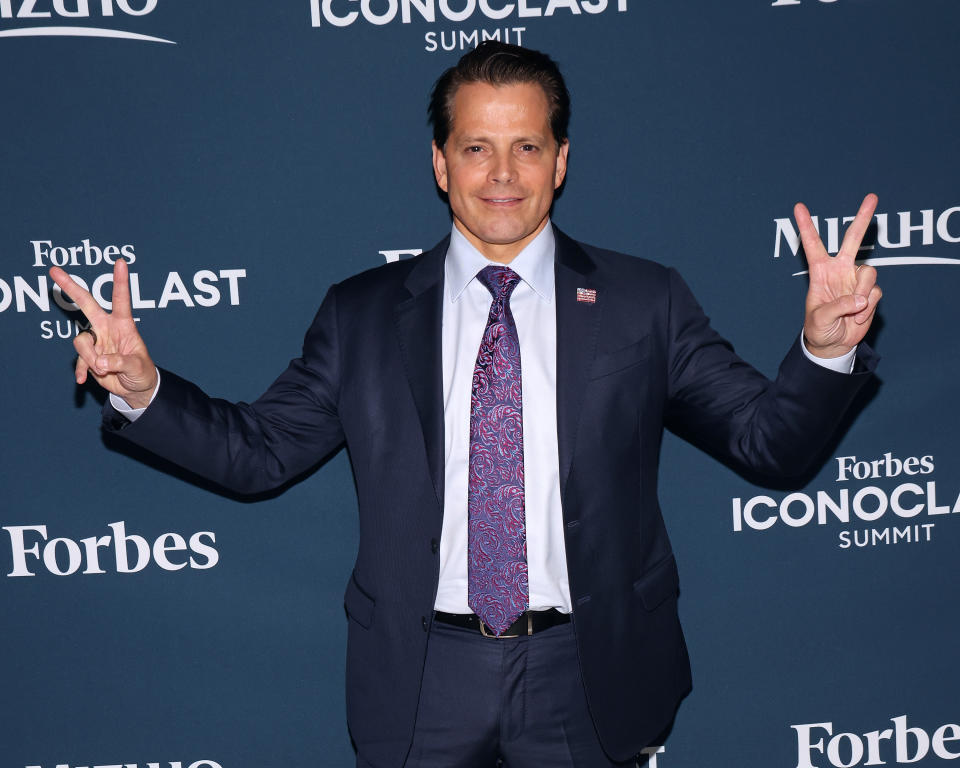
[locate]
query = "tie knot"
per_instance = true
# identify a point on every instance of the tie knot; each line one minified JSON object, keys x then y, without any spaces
{"x":500,"y":281}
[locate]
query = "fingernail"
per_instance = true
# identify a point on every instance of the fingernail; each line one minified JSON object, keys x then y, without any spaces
{"x":102,"y":361}
{"x":860,"y":301}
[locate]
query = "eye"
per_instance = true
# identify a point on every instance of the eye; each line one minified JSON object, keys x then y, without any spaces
{"x":529,"y":148}
{"x":474,"y":149}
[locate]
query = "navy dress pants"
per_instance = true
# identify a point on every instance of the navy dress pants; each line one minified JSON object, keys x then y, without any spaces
{"x":511,"y":703}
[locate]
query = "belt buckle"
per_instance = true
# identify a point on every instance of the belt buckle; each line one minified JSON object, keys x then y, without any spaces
{"x":485,"y":633}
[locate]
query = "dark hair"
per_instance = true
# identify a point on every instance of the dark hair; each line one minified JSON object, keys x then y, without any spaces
{"x":499,"y":63}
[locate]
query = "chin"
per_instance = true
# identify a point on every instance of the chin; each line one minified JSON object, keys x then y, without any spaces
{"x":506,"y":235}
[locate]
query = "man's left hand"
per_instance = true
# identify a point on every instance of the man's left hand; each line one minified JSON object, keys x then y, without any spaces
{"x":843,"y":295}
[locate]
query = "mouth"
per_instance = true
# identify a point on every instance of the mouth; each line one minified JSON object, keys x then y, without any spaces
{"x":502,"y":201}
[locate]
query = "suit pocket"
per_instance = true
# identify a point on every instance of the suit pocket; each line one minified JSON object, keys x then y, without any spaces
{"x":606,"y":363}
{"x":659,"y":583}
{"x":358,"y":603}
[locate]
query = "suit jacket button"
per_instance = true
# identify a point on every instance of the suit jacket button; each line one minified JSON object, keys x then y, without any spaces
{"x":434,"y":546}
{"x":423,"y":623}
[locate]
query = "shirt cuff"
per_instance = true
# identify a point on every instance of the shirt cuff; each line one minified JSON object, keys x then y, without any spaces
{"x":842,"y":364}
{"x":132,"y":414}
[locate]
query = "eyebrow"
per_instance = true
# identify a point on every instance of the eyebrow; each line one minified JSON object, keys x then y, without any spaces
{"x":528,"y":138}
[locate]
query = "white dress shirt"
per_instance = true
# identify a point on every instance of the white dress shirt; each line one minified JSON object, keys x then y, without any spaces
{"x":466,"y":304}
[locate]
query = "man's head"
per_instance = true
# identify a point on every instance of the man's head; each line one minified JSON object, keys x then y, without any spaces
{"x":500,"y":144}
{"x":497,"y":63}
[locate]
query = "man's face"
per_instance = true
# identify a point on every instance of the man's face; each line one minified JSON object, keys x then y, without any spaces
{"x":500,"y":166}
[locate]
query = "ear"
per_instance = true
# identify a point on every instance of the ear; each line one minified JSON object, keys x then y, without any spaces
{"x":561,"y":170}
{"x":439,"y":166}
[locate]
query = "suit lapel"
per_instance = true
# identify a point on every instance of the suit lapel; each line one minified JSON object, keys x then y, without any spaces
{"x":577,"y":326}
{"x":419,"y":321}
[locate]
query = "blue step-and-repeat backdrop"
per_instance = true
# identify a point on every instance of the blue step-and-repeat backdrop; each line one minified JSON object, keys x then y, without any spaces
{"x":241,"y":156}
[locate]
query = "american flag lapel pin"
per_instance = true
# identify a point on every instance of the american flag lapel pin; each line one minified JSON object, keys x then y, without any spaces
{"x":587,"y":295}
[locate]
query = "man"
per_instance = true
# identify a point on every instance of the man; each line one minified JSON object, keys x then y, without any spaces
{"x":514,"y":596}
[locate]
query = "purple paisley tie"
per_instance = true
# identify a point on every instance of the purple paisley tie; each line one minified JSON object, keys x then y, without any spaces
{"x":497,"y":543}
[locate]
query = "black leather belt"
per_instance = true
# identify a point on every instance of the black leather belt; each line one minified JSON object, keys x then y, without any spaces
{"x":529,"y":623}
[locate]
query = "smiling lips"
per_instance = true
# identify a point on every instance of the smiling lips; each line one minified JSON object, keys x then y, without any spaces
{"x":501,"y":200}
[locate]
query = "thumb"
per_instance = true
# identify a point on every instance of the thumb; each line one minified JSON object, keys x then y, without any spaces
{"x":137,"y":375}
{"x":841,"y":307}
{"x":114,"y":363}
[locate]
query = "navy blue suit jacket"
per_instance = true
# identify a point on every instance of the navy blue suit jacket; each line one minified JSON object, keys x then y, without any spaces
{"x":640,"y":358}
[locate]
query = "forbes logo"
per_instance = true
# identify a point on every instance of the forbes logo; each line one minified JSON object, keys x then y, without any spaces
{"x":817,"y":746}
{"x":121,"y":552}
{"x":54,"y":10}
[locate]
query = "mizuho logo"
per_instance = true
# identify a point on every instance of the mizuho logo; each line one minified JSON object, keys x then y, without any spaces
{"x":39,"y":17}
{"x":909,"y":230}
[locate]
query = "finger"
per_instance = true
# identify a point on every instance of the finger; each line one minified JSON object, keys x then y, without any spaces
{"x":81,"y":370}
{"x":119,"y":365}
{"x":828,"y":314}
{"x":121,"y":290}
{"x":812,"y":245}
{"x":858,"y":227}
{"x":81,"y":297}
{"x":86,"y":351}
{"x":872,"y":300}
{"x":866,"y":280}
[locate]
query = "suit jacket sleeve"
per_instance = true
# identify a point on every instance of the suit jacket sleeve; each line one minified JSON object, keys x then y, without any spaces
{"x":724,"y":405}
{"x":250,"y":447}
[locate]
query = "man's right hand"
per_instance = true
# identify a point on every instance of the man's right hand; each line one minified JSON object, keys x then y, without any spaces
{"x":118,"y":360}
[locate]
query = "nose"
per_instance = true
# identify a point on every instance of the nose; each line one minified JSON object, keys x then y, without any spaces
{"x":502,"y":170}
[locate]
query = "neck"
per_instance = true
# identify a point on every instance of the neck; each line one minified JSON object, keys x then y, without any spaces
{"x":500,"y":253}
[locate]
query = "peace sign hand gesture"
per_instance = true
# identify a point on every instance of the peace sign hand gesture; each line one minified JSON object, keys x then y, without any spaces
{"x":114,"y":353}
{"x":842,"y":296}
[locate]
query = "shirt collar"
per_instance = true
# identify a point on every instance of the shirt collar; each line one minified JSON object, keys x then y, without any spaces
{"x":534,"y":263}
